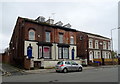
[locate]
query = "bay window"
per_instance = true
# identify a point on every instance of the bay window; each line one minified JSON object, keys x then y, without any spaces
{"x":63,"y":53}
{"x":46,"y":52}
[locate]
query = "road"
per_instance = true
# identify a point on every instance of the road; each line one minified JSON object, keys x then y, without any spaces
{"x":90,"y":75}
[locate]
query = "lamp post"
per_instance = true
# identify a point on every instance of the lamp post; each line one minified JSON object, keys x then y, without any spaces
{"x":112,"y":39}
{"x":118,"y":41}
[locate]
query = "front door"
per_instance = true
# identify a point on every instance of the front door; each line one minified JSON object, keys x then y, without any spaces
{"x":73,"y":54}
{"x":29,"y":51}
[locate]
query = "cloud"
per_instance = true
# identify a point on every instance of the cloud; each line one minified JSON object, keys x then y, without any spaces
{"x":95,"y":16}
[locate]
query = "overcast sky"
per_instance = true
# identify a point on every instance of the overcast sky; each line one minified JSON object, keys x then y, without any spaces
{"x":94,"y":16}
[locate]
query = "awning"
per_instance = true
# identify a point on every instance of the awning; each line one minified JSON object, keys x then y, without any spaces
{"x":44,"y":44}
{"x":63,"y":45}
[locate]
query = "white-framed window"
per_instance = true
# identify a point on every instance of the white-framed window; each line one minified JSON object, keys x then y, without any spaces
{"x":65,"y":52}
{"x":109,"y":55}
{"x":71,"y":40}
{"x":99,"y":54}
{"x":91,"y":56}
{"x":46,"y":52}
{"x":109,"y":46}
{"x":104,"y":45}
{"x":60,"y":38}
{"x":31,"y":34}
{"x":96,"y":44}
{"x":90,"y":43}
{"x":60,"y":52}
{"x":95,"y":54}
{"x":103,"y":54}
{"x":47,"y":36}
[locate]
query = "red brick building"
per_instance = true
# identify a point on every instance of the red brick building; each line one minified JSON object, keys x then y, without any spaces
{"x":93,"y":47}
{"x":40,"y":43}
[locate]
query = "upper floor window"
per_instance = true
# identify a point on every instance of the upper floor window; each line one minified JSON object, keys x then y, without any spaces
{"x":90,"y":43}
{"x":47,"y":36}
{"x":71,"y":40}
{"x":96,"y":44}
{"x":109,"y":46}
{"x":31,"y":34}
{"x":104,"y":45}
{"x":60,"y":38}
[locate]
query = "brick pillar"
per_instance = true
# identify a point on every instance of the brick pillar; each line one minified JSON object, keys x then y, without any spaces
{"x":26,"y":63}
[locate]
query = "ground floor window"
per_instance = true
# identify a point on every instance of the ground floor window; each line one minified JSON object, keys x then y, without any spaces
{"x":109,"y":55}
{"x":63,"y":53}
{"x":91,"y":56}
{"x":44,"y":52}
{"x":97,"y":54}
{"x":106,"y":55}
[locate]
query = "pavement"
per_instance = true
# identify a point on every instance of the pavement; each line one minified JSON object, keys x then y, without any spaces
{"x":8,"y":70}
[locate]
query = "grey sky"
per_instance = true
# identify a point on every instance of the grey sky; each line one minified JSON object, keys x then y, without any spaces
{"x":94,"y":16}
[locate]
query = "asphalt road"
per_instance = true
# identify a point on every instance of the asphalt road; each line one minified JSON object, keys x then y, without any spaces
{"x":91,"y":75}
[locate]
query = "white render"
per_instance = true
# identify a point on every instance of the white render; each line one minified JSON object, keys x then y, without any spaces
{"x":51,"y":64}
{"x":34,"y":48}
{"x":54,"y":51}
{"x":54,"y":54}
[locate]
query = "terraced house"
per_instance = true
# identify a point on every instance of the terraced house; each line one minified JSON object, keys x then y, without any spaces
{"x":93,"y":48}
{"x":40,"y":43}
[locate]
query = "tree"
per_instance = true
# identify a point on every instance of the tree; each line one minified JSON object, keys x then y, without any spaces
{"x":114,"y":54}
